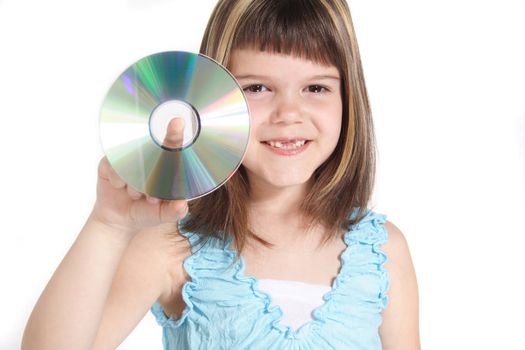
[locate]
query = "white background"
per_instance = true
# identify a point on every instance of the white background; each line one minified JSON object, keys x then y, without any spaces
{"x":446,"y":81}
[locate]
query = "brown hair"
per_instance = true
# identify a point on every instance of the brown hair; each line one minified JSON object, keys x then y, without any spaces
{"x":322,"y":31}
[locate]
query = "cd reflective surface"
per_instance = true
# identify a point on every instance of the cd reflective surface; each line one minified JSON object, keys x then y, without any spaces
{"x":146,"y":97}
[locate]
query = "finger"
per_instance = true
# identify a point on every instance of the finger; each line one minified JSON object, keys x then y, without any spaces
{"x":173,"y":210}
{"x":134,"y":194}
{"x":115,"y":180}
{"x":103,"y":168}
{"x":105,"y":171}
{"x":174,"y":133}
{"x":146,"y":214}
{"x":152,"y":200}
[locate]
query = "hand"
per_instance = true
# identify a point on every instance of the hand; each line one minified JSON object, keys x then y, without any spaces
{"x":124,"y":208}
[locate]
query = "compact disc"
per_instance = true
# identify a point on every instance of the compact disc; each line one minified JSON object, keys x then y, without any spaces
{"x":144,"y":99}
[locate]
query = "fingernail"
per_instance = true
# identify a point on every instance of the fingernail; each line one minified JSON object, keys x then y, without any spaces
{"x":153,"y":200}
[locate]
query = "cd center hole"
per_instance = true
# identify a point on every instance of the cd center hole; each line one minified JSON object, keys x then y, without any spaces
{"x":174,"y":125}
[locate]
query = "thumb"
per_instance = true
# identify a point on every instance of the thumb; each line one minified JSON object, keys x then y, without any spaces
{"x":174,"y":133}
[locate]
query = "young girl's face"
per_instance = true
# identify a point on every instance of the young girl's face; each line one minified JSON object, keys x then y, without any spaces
{"x":291,"y":100}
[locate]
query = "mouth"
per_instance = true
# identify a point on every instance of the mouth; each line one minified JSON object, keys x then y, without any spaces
{"x":286,"y":144}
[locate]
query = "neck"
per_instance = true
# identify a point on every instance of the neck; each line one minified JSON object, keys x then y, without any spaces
{"x":274,"y":212}
{"x":278,"y":202}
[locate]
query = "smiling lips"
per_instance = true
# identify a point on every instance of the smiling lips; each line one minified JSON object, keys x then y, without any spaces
{"x":286,"y":147}
{"x":286,"y":144}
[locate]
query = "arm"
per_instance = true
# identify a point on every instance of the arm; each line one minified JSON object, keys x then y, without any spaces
{"x":400,"y":328}
{"x":68,"y":312}
{"x":105,"y":284}
{"x":101,"y":290}
{"x":148,"y":271}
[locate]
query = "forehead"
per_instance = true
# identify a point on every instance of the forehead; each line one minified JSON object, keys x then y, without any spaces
{"x":248,"y":61}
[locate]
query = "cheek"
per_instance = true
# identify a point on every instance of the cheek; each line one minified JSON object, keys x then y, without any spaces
{"x":333,"y":122}
{"x":256,"y":119}
{"x":334,"y":135}
{"x":257,"y":109}
{"x":254,"y":127}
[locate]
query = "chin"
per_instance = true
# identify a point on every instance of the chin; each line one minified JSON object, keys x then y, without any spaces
{"x":285,"y":180}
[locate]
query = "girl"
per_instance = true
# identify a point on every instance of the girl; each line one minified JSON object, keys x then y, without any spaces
{"x":293,"y":217}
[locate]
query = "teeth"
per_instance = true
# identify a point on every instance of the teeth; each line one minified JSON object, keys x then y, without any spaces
{"x":290,"y":145}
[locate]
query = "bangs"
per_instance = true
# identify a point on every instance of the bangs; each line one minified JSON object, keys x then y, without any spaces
{"x":301,"y":28}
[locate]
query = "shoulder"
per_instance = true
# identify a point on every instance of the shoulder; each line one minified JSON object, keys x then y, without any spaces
{"x":399,"y":262}
{"x":400,"y":328}
{"x":396,"y":245}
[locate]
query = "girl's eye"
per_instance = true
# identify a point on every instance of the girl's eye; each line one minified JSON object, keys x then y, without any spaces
{"x":254,"y":88}
{"x":317,"y":88}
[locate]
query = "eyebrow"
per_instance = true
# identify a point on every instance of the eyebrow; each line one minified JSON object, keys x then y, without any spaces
{"x":255,"y":76}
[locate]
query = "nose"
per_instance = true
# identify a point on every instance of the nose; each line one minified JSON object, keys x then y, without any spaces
{"x":288,"y":109}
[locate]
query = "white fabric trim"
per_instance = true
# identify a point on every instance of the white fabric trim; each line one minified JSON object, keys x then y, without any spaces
{"x":296,"y":299}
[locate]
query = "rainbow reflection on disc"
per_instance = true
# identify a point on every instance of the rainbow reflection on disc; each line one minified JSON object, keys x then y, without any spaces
{"x":150,"y":92}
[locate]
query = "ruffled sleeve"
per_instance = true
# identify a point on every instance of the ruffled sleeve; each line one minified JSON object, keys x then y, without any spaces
{"x":160,"y":316}
{"x":365,"y":238}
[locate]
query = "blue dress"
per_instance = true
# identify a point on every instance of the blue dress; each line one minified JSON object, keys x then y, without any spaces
{"x":226,"y":310}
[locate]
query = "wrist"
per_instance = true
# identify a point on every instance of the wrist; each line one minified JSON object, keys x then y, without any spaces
{"x":119,"y":233}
